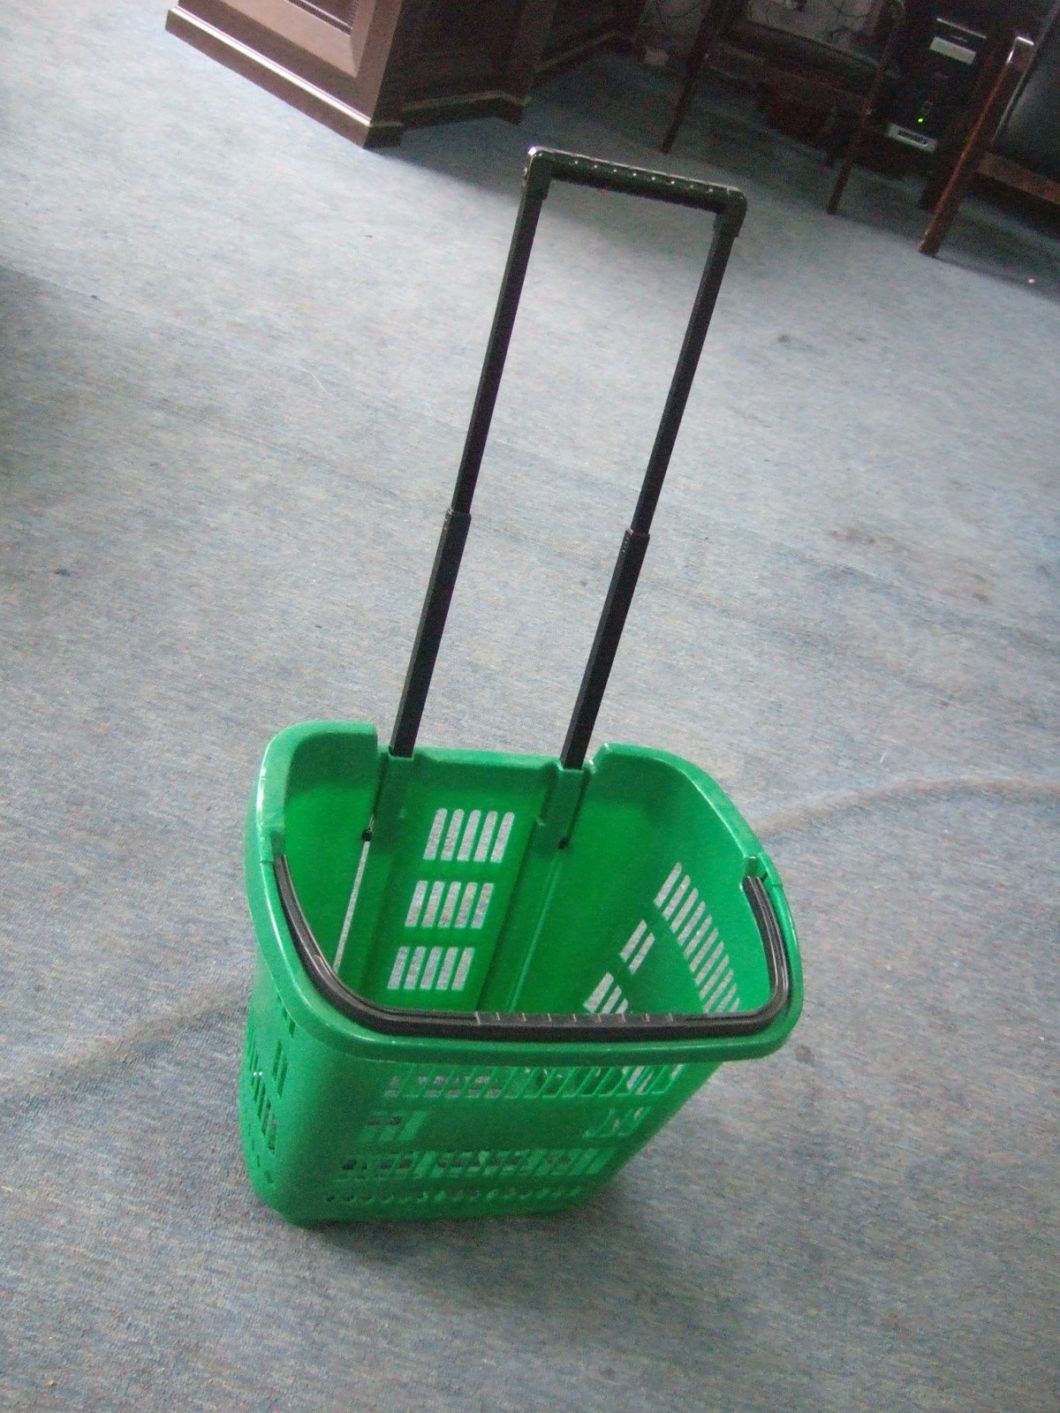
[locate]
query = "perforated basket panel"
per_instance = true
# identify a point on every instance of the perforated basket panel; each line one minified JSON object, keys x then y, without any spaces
{"x":482,"y":883}
{"x":263,"y":1079}
{"x":450,"y":894}
{"x":438,"y":880}
{"x":367,"y":1139}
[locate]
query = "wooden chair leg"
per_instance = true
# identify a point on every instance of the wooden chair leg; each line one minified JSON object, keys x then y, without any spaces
{"x":952,"y":144}
{"x":943,"y":164}
{"x":709,"y":28}
{"x":979,"y":140}
{"x":840,"y":183}
{"x":854,"y":146}
{"x":872,"y":98}
{"x":837,"y":139}
{"x":955,"y":191}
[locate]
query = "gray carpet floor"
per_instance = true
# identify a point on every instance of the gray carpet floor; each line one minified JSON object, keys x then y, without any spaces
{"x":238,"y":356}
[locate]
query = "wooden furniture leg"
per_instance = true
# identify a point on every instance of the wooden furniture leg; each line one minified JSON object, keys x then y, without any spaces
{"x":868,"y":107}
{"x":979,"y":140}
{"x":710,"y":26}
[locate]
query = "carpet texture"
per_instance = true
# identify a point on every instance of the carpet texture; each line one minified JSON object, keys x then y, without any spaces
{"x":238,"y":356}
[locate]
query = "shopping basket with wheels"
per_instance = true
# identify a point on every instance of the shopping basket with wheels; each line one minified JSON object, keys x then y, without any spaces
{"x":484,"y":981}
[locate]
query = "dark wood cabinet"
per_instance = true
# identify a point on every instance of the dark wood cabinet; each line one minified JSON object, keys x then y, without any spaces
{"x":370,"y":68}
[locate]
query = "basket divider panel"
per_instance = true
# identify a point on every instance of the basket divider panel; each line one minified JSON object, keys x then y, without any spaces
{"x":543,"y":860}
{"x":443,"y":872}
{"x":374,"y":868}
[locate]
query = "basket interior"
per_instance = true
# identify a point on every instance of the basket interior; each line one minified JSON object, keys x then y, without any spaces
{"x":506,"y":884}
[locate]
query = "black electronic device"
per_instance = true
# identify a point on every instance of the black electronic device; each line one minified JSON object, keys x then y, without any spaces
{"x":936,"y":83}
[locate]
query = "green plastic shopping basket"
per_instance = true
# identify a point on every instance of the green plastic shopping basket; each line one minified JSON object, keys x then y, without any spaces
{"x":485,"y":980}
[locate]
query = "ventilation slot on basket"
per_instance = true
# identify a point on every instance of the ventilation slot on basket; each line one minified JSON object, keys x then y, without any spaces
{"x":288,"y":1022}
{"x":606,"y":998}
{"x":617,"y":1082}
{"x":684,"y":916}
{"x":424,"y":1197}
{"x":479,"y":836}
{"x":638,"y":947}
{"x":684,"y":913}
{"x":391,"y":1126}
{"x":430,"y":968}
{"x":474,"y":1164}
{"x":618,"y":1122}
{"x":260,"y":1098}
{"x":261,"y":1089}
{"x":440,"y":904}
{"x":279,"y":1068}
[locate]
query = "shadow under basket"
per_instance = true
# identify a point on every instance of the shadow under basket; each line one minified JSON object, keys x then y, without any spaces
{"x":491,"y":1003}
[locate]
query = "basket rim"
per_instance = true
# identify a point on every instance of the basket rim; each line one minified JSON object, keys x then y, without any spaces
{"x":344,"y":1017}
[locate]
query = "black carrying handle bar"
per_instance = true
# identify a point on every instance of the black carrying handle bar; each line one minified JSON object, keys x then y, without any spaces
{"x":522,"y":1025}
{"x":542,"y":168}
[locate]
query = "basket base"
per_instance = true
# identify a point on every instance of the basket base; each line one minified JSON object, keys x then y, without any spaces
{"x":433,"y":1210}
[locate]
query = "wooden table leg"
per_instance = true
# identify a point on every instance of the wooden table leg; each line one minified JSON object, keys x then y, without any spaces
{"x":980,"y":138}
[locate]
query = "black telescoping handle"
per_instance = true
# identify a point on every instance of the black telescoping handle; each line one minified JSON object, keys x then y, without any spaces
{"x":542,"y":168}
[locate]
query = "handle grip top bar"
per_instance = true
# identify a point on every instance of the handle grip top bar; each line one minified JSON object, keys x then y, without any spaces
{"x":544,"y":166}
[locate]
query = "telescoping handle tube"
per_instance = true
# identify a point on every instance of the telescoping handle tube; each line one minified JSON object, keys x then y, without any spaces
{"x":542,"y":168}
